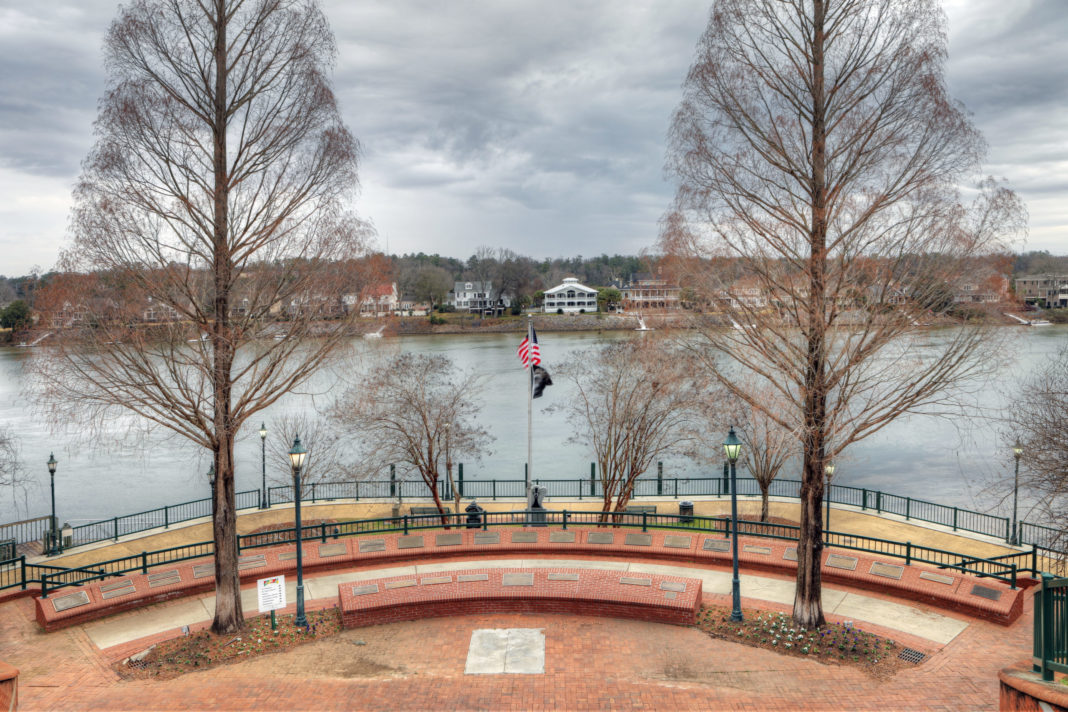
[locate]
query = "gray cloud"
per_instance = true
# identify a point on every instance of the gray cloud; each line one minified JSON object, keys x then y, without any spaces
{"x":535,"y":126}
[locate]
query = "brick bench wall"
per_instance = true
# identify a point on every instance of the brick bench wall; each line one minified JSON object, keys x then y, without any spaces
{"x":985,"y":598}
{"x":593,"y":592}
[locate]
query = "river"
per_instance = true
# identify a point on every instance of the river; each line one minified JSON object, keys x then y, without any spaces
{"x":951,"y":461}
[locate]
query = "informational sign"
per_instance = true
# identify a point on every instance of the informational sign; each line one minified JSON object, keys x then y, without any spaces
{"x":272,"y":593}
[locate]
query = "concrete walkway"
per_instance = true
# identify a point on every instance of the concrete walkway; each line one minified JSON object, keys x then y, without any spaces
{"x":911,"y":620}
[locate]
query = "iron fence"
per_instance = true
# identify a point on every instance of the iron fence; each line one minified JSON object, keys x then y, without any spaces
{"x":1050,"y":639}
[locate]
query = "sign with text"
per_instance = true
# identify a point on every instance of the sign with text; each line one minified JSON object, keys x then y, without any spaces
{"x":272,"y":593}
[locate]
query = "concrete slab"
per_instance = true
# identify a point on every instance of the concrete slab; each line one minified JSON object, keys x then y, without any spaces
{"x":497,"y":651}
{"x":896,"y":616}
{"x":146,"y":621}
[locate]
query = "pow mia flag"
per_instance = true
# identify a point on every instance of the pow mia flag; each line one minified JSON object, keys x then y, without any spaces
{"x":541,"y":380}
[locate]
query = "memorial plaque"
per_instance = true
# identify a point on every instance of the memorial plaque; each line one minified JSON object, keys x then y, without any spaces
{"x":762,"y":550}
{"x":790,"y":554}
{"x":631,"y":581}
{"x":635,"y":539}
{"x":524,"y":537}
{"x":432,"y":580}
{"x":118,"y":590}
{"x":251,"y":562}
{"x":287,"y":556}
{"x":465,"y":578}
{"x":482,"y":538}
{"x":410,"y":542}
{"x":517,"y":580}
{"x":448,"y":539}
{"x":992,"y":594}
{"x":888,"y":570}
{"x":937,"y":578}
{"x":164,"y":578}
{"x":401,"y":584}
{"x":600,"y":538}
{"x":561,"y":537}
{"x":677,"y":542}
{"x":365,"y":590}
{"x":204,"y":570}
{"x":334,"y":549}
{"x":369,"y":545}
{"x":717,"y":545}
{"x":678,"y":586}
{"x":123,"y":583}
{"x":670,"y":594}
{"x":563,"y":577}
{"x":73,"y":600}
{"x":837,"y":561}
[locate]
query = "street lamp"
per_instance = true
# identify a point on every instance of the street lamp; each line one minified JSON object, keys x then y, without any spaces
{"x":263,"y":462}
{"x":828,"y":471}
{"x":52,"y":524}
{"x":733,"y":448}
{"x":1017,"y":450}
{"x":296,"y":458}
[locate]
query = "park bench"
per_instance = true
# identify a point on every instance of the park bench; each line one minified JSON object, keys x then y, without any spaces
{"x":640,"y":509}
{"x":417,"y":511}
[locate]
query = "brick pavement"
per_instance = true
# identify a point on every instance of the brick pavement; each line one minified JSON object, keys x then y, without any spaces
{"x":591,"y":663}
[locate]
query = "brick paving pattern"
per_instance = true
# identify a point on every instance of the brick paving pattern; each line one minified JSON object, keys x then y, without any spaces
{"x":591,"y":664}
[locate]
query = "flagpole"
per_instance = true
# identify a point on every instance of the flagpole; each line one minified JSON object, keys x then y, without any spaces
{"x":530,"y":414}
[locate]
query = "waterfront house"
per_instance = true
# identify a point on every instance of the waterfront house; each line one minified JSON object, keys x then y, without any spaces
{"x":649,"y":292}
{"x":570,"y":298}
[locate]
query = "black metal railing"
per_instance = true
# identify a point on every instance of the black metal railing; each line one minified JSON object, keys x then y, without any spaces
{"x":1006,"y":568}
{"x":1050,"y":640}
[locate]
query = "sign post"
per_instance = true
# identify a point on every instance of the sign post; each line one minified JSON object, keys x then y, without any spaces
{"x":272,"y":596}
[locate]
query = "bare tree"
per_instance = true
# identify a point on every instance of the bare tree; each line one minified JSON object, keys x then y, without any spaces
{"x":1037,"y":422}
{"x":215,"y":200}
{"x":431,"y":284}
{"x":320,"y":437}
{"x":634,"y":402}
{"x":12,"y":475}
{"x":766,"y":445}
{"x":419,"y":412}
{"x":816,"y":150}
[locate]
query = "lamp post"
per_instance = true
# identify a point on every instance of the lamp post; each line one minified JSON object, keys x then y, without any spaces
{"x":296,"y":459}
{"x":828,"y":471}
{"x":52,"y":523}
{"x":733,"y":448}
{"x":1017,"y":450}
{"x":263,"y":463}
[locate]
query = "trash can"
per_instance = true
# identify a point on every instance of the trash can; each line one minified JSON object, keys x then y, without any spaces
{"x":474,"y":516}
{"x":685,"y":512}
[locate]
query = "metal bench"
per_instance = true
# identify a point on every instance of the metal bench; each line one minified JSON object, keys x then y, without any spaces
{"x":640,"y":509}
{"x":417,"y":511}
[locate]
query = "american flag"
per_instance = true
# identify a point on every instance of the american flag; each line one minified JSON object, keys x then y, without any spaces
{"x":528,"y":350}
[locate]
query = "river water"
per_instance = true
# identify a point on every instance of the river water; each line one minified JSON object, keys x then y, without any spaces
{"x":951,"y":461}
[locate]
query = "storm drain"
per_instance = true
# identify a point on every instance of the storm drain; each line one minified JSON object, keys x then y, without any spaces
{"x":911,"y":656}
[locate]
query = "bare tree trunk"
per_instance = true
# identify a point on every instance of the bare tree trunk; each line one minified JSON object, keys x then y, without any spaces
{"x":763,"y":502}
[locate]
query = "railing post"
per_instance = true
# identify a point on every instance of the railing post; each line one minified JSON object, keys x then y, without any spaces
{"x":313,"y":493}
{"x":1013,"y":576}
{"x":1034,"y":559}
{"x":494,"y":481}
{"x":878,"y":501}
{"x":908,"y":507}
{"x":115,"y":523}
{"x":1047,"y":630}
{"x":645,"y":521}
{"x":22,"y":566}
{"x":1008,"y":532}
{"x":406,"y":524}
{"x":144,"y":562}
{"x":864,"y":501}
{"x":44,"y":585}
{"x":593,"y":478}
{"x":908,"y":553}
{"x":460,"y":474}
{"x":660,"y":479}
{"x":167,"y":517}
{"x":676,"y":488}
{"x":565,"y":519}
{"x":268,"y":498}
{"x":725,"y":487}
{"x":954,"y":519}
{"x":392,"y":480}
{"x":579,"y":483}
{"x":322,"y":532}
{"x":357,"y":491}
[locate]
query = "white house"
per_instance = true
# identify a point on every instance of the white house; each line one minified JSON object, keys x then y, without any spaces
{"x":570,"y":298}
{"x":477,"y":297}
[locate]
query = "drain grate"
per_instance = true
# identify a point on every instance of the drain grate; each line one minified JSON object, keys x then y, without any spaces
{"x":911,"y":656}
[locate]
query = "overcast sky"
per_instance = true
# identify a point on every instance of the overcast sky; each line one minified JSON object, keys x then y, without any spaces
{"x":537,"y":126}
